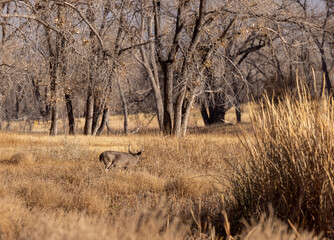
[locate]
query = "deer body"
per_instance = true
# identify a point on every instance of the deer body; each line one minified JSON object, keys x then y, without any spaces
{"x":119,"y":159}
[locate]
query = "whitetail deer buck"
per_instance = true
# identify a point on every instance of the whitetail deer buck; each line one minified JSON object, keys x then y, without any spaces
{"x":119,"y":159}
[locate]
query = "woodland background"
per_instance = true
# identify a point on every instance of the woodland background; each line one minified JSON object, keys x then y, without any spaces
{"x":88,"y":59}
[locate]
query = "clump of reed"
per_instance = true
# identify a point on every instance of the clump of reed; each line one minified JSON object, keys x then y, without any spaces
{"x":290,"y":163}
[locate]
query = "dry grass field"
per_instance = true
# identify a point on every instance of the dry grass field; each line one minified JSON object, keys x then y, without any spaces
{"x":195,"y":187}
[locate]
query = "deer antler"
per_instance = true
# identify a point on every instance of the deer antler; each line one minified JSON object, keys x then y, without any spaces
{"x":130,"y":150}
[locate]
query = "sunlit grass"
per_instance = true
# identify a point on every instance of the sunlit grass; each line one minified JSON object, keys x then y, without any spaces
{"x":56,"y":188}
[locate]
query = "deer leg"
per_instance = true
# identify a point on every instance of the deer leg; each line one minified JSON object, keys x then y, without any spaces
{"x":108,"y":166}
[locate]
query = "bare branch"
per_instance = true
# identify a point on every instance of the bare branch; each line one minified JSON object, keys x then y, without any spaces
{"x":84,"y":19}
{"x":15,"y":15}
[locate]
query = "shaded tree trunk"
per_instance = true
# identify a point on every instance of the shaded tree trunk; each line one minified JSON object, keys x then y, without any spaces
{"x":217,"y":114}
{"x":18,"y":100}
{"x":327,"y":78}
{"x":54,"y":107}
{"x":321,"y":49}
{"x":168,"y":99}
{"x":70,"y":114}
{"x":238,"y":113}
{"x":38,"y":96}
{"x":47,"y":105}
{"x":205,"y":116}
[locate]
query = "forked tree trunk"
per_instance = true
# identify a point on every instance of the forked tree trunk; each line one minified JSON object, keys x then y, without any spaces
{"x":186,"y":114}
{"x":105,"y":120}
{"x":96,"y":116}
{"x":152,"y":70}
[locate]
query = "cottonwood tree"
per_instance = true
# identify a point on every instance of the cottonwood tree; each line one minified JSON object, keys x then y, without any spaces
{"x":229,"y":32}
{"x":104,"y":62}
{"x":227,"y":83}
{"x":57,"y":45}
{"x":174,"y":31}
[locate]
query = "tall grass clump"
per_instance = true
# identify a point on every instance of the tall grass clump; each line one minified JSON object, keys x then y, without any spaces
{"x":290,"y":163}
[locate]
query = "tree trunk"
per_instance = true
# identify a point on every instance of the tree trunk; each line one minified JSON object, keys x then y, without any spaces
{"x":217,"y":114}
{"x":47,"y":105}
{"x":168,"y":99}
{"x":321,"y":49}
{"x":54,"y":108}
{"x":152,"y":71}
{"x":89,"y":113}
{"x":179,"y":106}
{"x":178,"y":110}
{"x":17,"y":106}
{"x":54,"y":102}
{"x":125,"y":106}
{"x":160,"y":108}
{"x":96,"y":115}
{"x":38,"y":96}
{"x":327,"y":78}
{"x":238,"y":113}
{"x":96,"y":126}
{"x":155,"y":78}
{"x":70,"y":114}
{"x":186,"y":114}
{"x":53,"y":65}
{"x":156,"y":91}
{"x":205,"y":116}
{"x":105,"y":120}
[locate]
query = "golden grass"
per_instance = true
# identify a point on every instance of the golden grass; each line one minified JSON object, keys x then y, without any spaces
{"x":59,"y":189}
{"x":66,"y":179}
